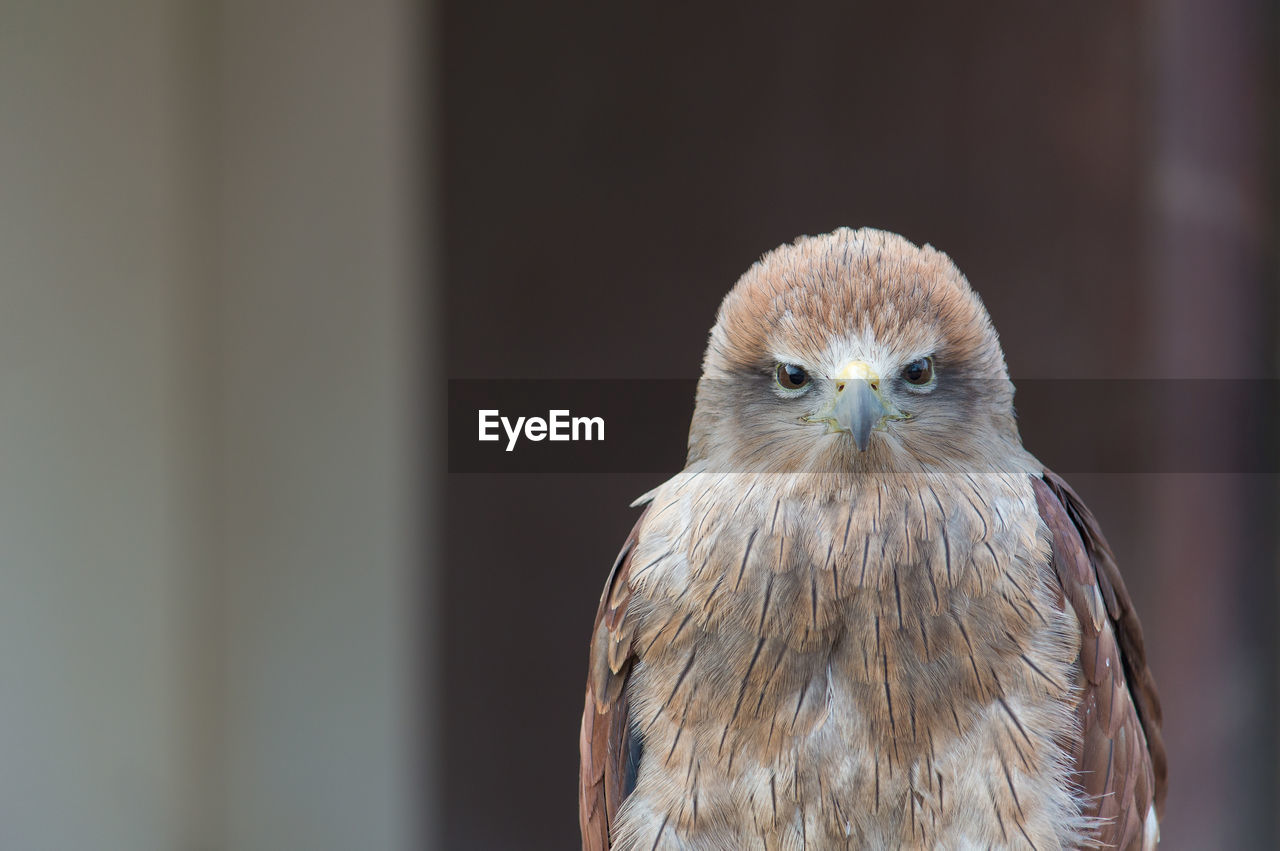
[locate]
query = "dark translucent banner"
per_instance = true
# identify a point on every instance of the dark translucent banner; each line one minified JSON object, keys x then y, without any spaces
{"x":1073,"y":426}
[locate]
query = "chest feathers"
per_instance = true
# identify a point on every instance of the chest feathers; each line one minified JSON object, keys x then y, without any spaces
{"x":887,"y":667}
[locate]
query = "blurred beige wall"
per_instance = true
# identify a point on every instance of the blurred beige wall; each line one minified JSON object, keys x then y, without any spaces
{"x":207,"y":425}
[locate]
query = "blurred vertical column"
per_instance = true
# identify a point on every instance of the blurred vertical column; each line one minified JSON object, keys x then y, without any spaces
{"x":318,"y":473}
{"x":1212,"y":314}
{"x":99,"y":457}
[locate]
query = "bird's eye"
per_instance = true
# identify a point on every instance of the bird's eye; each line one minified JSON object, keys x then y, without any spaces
{"x":791,"y":377}
{"x":919,"y":371}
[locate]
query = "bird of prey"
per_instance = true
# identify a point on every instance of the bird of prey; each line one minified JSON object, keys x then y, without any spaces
{"x":863,"y":616}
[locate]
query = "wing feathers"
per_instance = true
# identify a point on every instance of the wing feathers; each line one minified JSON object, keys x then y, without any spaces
{"x":603,"y":741}
{"x":1120,"y":761}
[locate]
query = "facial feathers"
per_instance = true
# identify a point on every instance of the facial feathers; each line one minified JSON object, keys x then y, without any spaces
{"x":826,"y":301}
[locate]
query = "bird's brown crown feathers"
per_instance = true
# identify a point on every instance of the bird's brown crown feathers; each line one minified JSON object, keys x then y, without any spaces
{"x":856,"y":283}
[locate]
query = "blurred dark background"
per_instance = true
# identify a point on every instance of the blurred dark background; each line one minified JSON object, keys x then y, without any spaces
{"x":1104,"y":175}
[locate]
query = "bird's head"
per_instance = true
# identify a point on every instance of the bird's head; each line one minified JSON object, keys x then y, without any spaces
{"x":853,"y":351}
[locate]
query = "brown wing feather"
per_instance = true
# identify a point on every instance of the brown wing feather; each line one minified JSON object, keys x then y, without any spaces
{"x":603,"y":740}
{"x":1120,"y":758}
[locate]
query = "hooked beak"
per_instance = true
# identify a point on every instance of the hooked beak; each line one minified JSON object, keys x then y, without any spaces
{"x":858,"y":408}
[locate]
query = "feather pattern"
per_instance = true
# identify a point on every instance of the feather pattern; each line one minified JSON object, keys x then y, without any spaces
{"x":1120,"y":759}
{"x":603,"y":745}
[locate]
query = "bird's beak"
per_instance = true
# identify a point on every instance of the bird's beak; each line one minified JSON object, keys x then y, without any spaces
{"x":858,"y":407}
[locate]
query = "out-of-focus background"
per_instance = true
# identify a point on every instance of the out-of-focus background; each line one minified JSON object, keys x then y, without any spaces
{"x":212,"y":319}
{"x":243,"y":245}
